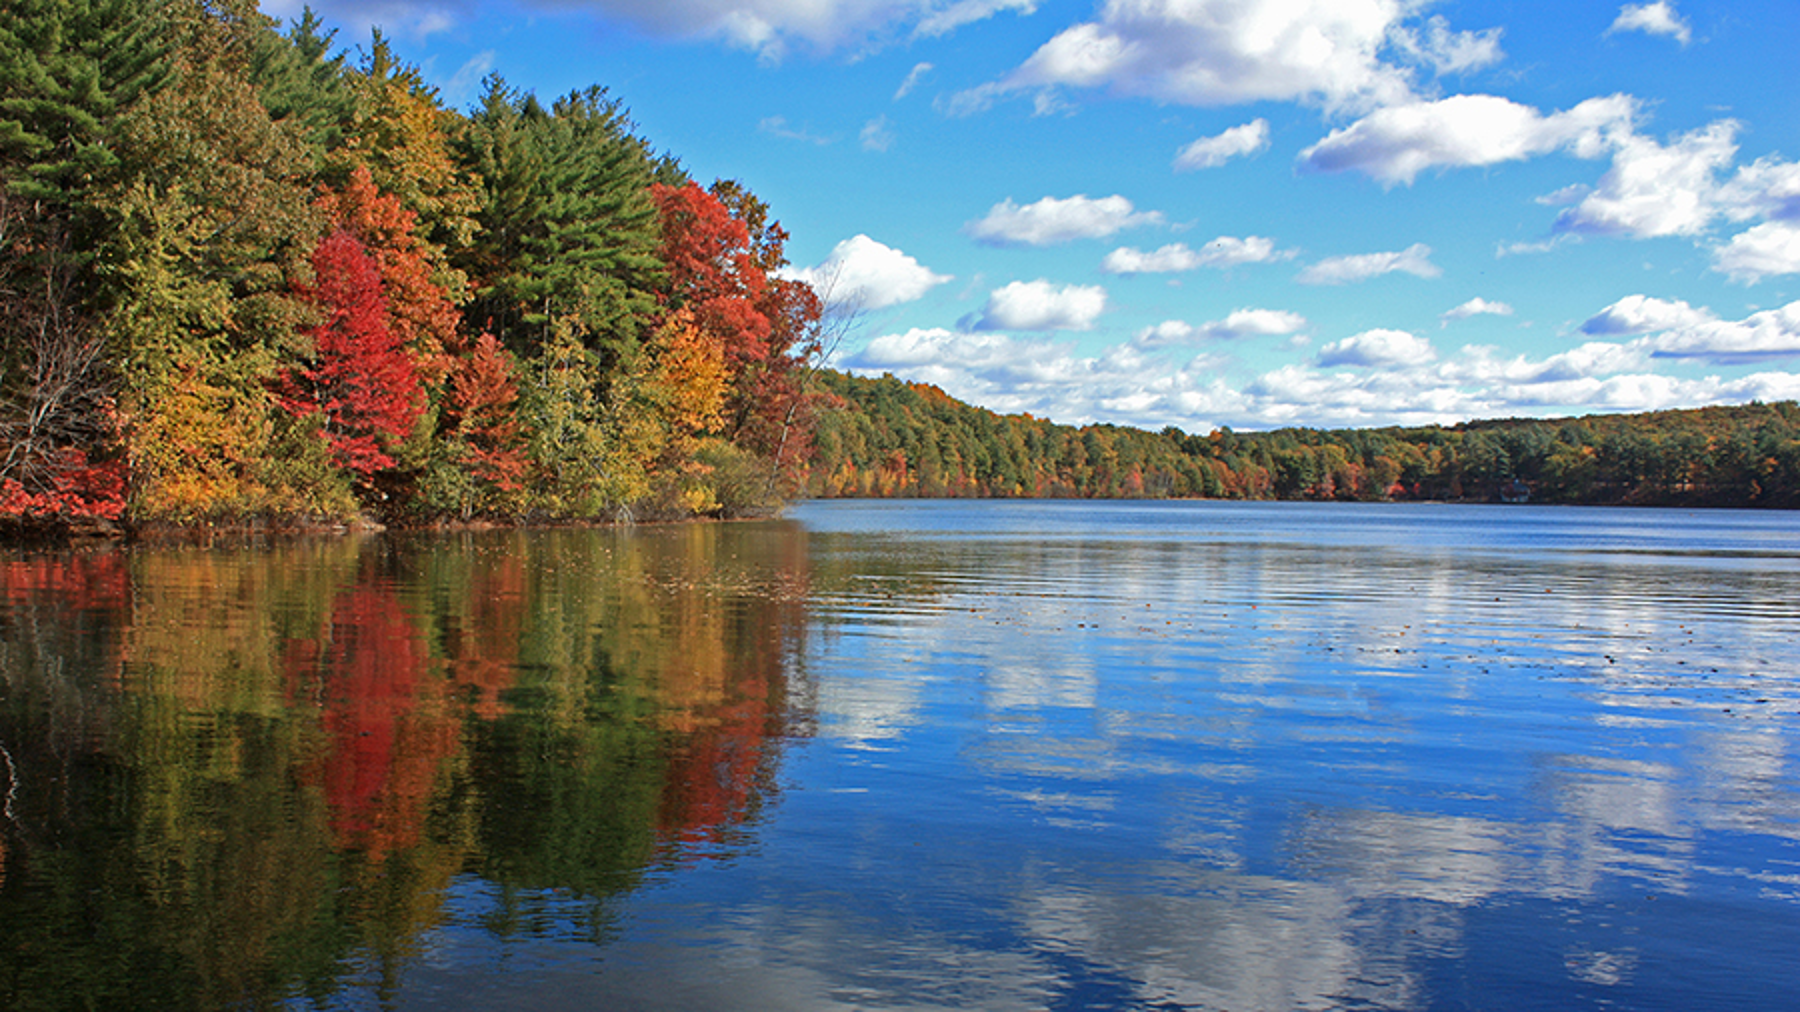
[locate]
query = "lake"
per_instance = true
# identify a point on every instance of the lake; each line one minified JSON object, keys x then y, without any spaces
{"x":914,"y":755}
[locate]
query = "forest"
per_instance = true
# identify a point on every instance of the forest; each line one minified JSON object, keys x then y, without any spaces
{"x":251,"y":277}
{"x":896,"y":438}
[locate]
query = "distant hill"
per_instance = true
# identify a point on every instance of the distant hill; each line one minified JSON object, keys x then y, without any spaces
{"x":892,"y":438}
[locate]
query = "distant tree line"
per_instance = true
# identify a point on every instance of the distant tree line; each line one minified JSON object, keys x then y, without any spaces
{"x":911,"y":439}
{"x":244,"y":274}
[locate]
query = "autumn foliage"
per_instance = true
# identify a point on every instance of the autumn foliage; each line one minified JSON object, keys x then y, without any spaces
{"x":259,"y":279}
{"x":361,"y":382}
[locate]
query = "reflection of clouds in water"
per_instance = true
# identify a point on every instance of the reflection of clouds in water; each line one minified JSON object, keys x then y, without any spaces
{"x":1748,"y":783}
{"x":1608,"y":969}
{"x":1215,"y":941}
{"x":1388,"y":855}
{"x":1042,"y":682}
{"x":1571,"y":708}
{"x":867,"y":709}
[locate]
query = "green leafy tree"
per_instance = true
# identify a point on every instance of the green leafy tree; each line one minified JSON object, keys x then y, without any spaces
{"x":567,"y":227}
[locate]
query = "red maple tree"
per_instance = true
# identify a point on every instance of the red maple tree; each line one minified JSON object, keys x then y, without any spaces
{"x":723,"y":270}
{"x":361,"y":381}
{"x":713,"y":272}
{"x":479,"y":413}
{"x":419,"y":310}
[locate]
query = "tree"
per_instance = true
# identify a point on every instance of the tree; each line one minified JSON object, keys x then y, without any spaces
{"x":479,"y":463}
{"x":405,"y":138}
{"x":419,"y":311}
{"x":361,"y":383}
{"x":568,"y":231}
{"x":68,"y":69}
{"x":722,"y":253}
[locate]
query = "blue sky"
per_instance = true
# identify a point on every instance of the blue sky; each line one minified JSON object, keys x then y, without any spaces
{"x":1250,"y":213}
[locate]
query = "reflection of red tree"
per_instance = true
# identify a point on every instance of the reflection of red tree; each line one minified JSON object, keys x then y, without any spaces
{"x":390,"y":724}
{"x":714,"y":776}
{"x":79,"y":581}
{"x":721,"y":769}
{"x":82,"y":588}
{"x":390,"y":711}
{"x":481,"y":647}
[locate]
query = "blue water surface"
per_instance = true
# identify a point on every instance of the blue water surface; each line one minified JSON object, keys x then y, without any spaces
{"x":1072,"y":755}
{"x":923,"y":755}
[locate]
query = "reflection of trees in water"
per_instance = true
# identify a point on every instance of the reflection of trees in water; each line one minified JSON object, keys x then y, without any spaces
{"x":247,"y":774}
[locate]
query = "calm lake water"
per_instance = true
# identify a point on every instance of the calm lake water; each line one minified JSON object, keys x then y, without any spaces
{"x":915,"y":755}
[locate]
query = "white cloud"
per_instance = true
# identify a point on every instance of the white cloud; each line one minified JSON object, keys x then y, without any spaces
{"x":913,"y":78}
{"x":405,"y":18}
{"x":1449,"y":52}
{"x":1225,"y":251}
{"x":1240,"y":323}
{"x":866,"y":274}
{"x":464,"y":85}
{"x":770,"y":28}
{"x":1130,"y":385}
{"x":1379,"y":347}
{"x":1051,"y":220}
{"x":1476,"y":306}
{"x":1770,"y":248}
{"x":1767,"y":188}
{"x":1512,"y":249}
{"x":1415,"y":259}
{"x":1772,"y":333}
{"x":1212,"y":152}
{"x":778,"y":126}
{"x":1653,"y":19}
{"x":1395,"y":144}
{"x":1656,"y":190}
{"x":1040,"y":305}
{"x":1641,"y":314}
{"x":877,"y":134}
{"x":1229,"y":52}
{"x":965,"y":12}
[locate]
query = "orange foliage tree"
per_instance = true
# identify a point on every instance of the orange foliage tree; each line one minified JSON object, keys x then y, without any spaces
{"x":361,"y":382}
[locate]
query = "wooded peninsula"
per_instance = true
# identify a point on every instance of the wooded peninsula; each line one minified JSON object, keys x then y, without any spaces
{"x":248,"y":278}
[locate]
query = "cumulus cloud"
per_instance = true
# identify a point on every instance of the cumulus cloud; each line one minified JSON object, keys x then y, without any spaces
{"x":1476,"y":306}
{"x":1052,"y":220}
{"x":866,"y":274}
{"x":1414,"y":259}
{"x":1379,"y":347}
{"x":1241,"y":323}
{"x":1041,"y":305}
{"x":1770,"y":334}
{"x":1449,"y":52}
{"x":1655,"y":189}
{"x":1641,"y":314}
{"x":1225,"y":251}
{"x":1766,"y":188}
{"x":1212,"y":152}
{"x":1132,"y":384}
{"x":1394,"y":144}
{"x":1770,"y":189}
{"x":1770,"y":248}
{"x":1652,"y":19}
{"x":1229,"y":52}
